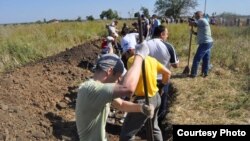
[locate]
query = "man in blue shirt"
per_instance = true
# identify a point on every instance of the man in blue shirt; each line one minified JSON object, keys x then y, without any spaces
{"x":155,"y":23}
{"x":205,"y":42}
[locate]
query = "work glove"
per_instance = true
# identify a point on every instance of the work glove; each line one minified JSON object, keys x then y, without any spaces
{"x":142,"y":49}
{"x":148,"y":110}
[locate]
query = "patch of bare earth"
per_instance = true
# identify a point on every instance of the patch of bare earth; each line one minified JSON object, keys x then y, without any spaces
{"x":37,"y":101}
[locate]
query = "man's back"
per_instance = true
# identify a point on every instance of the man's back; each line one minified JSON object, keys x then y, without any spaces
{"x":163,"y":52}
{"x":92,"y":108}
{"x":203,"y":31}
{"x":152,"y":67}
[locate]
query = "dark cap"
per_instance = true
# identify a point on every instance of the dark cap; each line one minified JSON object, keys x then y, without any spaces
{"x":107,"y":61}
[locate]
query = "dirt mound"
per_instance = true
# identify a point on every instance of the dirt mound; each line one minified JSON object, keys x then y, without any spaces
{"x":37,"y":101}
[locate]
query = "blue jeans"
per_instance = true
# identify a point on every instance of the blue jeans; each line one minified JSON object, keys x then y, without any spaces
{"x":203,"y":52}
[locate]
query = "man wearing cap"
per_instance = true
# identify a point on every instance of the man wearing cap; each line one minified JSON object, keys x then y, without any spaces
{"x":96,"y":95}
{"x":205,"y":41}
{"x":134,"y":121}
{"x":129,"y":40}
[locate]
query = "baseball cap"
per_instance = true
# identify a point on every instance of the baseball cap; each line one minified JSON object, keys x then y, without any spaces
{"x":107,"y":61}
{"x":129,"y":42}
{"x":127,"y":46}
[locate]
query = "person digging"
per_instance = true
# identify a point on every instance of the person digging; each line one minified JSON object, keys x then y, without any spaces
{"x":96,"y":95}
{"x":134,"y":121}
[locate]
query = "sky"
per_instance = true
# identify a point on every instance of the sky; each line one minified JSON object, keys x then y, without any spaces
{"x":18,"y":11}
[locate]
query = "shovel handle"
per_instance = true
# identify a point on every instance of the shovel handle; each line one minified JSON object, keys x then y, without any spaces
{"x":190,"y":44}
{"x":149,"y":121}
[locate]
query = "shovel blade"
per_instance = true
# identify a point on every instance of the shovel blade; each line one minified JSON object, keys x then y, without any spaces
{"x":186,"y":70}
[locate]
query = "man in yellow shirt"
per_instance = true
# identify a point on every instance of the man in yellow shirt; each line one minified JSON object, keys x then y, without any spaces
{"x":134,"y":121}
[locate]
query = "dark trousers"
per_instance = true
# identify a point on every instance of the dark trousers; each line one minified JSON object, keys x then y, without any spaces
{"x":134,"y":121}
{"x":163,"y":90}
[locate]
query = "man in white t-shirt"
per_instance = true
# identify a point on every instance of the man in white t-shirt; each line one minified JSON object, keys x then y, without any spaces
{"x":162,"y":50}
{"x":112,"y":29}
{"x":165,"y":53}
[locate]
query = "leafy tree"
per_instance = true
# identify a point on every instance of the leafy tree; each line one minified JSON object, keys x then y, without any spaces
{"x":79,"y":19}
{"x":102,"y":15}
{"x":174,"y":7}
{"x":136,"y":14}
{"x":38,"y":22}
{"x":90,"y":18}
{"x":145,"y":12}
{"x":109,"y":14}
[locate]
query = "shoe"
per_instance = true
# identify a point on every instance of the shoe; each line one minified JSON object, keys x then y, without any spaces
{"x":205,"y":75}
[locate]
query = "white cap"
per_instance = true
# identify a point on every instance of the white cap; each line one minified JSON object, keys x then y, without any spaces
{"x":129,"y":42}
{"x":127,"y":46}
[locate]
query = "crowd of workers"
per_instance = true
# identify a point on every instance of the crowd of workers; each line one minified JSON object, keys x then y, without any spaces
{"x":117,"y":74}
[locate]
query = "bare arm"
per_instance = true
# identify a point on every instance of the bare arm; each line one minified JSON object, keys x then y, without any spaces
{"x":193,"y":23}
{"x":131,"y":79}
{"x":133,"y":107}
{"x":111,"y":50}
{"x":126,"y":106}
{"x":166,"y":73}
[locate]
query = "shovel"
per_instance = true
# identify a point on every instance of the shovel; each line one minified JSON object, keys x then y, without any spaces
{"x":149,"y":121}
{"x":187,"y":69}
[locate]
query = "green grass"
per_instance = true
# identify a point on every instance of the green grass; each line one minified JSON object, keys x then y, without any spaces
{"x":231,"y":45}
{"x":223,"y":97}
{"x":20,"y":44}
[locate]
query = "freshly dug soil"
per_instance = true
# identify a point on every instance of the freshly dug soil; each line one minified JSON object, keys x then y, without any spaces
{"x":37,"y":101}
